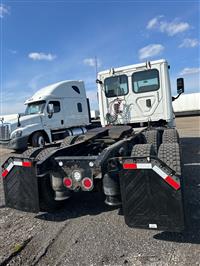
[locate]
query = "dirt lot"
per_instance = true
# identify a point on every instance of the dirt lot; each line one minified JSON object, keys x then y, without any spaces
{"x":87,"y":232}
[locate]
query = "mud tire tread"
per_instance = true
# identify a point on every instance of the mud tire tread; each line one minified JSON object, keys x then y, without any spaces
{"x":169,"y":153}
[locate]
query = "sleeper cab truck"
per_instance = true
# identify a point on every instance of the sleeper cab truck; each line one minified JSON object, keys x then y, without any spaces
{"x":51,"y":114}
{"x":133,"y":159}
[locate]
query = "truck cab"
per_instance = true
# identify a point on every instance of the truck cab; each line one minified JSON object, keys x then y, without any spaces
{"x":52,"y":113}
{"x":136,"y":94}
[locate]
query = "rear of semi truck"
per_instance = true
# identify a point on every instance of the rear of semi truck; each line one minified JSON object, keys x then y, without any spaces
{"x":134,"y":160}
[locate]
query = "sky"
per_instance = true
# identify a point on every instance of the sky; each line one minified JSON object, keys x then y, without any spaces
{"x":44,"y":42}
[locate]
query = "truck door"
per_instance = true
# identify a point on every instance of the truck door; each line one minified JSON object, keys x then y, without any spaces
{"x":55,"y":121}
{"x":146,"y":86}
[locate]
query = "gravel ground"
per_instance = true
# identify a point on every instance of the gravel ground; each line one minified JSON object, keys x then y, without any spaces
{"x":87,"y":232}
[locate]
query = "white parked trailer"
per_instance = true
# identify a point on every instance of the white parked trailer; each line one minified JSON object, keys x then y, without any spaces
{"x":187,"y":104}
{"x":94,"y":114}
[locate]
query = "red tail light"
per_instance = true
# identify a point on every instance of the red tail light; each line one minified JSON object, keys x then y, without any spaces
{"x":130,"y":166}
{"x":87,"y":183}
{"x":26,"y":164}
{"x":67,"y":182}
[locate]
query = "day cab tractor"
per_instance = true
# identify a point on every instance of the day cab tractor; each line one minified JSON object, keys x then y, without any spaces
{"x":133,"y":159}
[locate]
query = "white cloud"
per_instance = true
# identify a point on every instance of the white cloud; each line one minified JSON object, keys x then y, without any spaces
{"x":189,"y":43}
{"x":92,"y":62}
{"x":153,"y":23}
{"x":170,"y":27}
{"x":150,"y":50}
{"x":4,"y":10}
{"x":42,"y":56}
{"x":190,"y":71}
{"x":174,"y":28}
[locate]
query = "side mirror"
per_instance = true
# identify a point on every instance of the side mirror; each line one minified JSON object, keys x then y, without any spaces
{"x":180,"y":85}
{"x":50,"y":110}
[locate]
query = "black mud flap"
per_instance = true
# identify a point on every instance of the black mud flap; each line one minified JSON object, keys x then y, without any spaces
{"x":150,"y":199}
{"x":20,"y":185}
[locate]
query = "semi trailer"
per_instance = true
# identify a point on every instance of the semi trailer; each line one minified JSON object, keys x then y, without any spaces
{"x":134,"y":159}
{"x":52,"y":113}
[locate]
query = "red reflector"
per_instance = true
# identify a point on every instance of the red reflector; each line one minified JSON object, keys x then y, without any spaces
{"x":67,"y":182}
{"x":87,"y":183}
{"x":172,"y":182}
{"x":26,"y":164}
{"x":130,"y":166}
{"x":5,"y":172}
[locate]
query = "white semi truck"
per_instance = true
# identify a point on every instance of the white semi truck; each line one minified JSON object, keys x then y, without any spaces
{"x":52,"y":113}
{"x":133,"y":159}
{"x":136,"y":94}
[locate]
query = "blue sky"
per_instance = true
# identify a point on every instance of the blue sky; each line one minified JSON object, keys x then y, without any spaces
{"x":43,"y":42}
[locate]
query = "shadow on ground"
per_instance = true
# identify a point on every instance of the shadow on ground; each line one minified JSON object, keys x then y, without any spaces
{"x":80,"y":204}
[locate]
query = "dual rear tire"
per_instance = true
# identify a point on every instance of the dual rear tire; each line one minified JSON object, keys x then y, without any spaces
{"x":165,"y":147}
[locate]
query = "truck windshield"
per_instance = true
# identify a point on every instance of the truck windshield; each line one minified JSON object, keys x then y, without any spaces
{"x":35,"y":108}
{"x":116,"y":86}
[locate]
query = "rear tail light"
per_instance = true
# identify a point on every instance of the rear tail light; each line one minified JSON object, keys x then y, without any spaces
{"x":26,"y":164}
{"x":67,"y":182}
{"x":130,"y":166}
{"x":87,"y":183}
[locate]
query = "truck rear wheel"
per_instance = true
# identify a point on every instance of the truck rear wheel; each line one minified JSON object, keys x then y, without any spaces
{"x":68,"y":141}
{"x":31,"y":153}
{"x":38,"y":139}
{"x":143,"y":150}
{"x":170,"y":136}
{"x":169,"y":153}
{"x":153,"y":137}
{"x":44,"y":153}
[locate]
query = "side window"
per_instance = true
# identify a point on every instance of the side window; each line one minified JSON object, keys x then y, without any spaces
{"x":145,"y":81}
{"x":79,"y":107}
{"x":76,"y":89}
{"x":116,"y":86}
{"x":56,"y":106}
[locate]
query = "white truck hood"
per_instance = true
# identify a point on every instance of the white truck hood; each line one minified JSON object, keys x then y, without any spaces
{"x":8,"y":118}
{"x":24,"y":120}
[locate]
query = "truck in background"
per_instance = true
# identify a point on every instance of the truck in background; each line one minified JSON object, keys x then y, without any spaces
{"x":52,"y":113}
